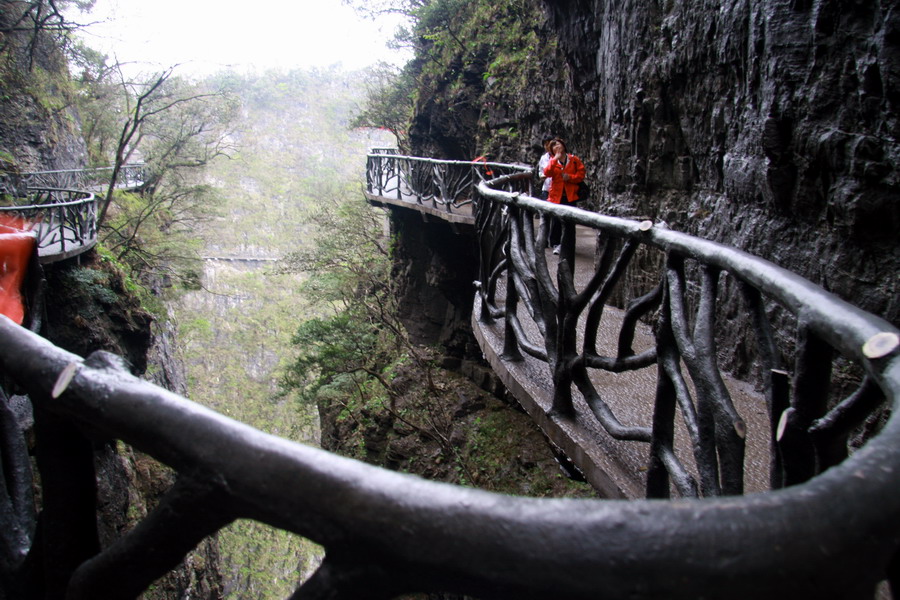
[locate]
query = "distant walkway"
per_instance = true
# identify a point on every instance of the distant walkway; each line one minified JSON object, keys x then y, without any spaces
{"x":444,"y":189}
{"x":635,"y":396}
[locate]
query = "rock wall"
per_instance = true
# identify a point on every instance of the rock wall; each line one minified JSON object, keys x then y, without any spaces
{"x":39,"y":128}
{"x":438,"y":267}
{"x":770,"y":125}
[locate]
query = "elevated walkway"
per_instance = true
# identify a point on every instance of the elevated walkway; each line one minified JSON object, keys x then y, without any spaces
{"x":829,"y":528}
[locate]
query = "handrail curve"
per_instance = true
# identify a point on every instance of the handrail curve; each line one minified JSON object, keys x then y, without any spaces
{"x":389,"y":533}
{"x":683,"y":311}
{"x":61,"y":206}
{"x":830,"y":528}
{"x":446,"y":185}
{"x":130,"y":175}
{"x":65,"y":221}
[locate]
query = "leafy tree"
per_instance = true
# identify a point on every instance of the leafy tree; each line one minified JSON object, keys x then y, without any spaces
{"x":186,"y":125}
{"x":349,"y":278}
{"x":177,"y":128}
{"x":100,"y":101}
{"x":376,"y":8}
{"x":389,"y":104}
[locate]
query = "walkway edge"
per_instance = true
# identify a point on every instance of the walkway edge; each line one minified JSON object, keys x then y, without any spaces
{"x":578,"y":445}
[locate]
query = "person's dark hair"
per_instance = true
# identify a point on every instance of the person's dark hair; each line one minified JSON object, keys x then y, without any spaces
{"x":547,"y":138}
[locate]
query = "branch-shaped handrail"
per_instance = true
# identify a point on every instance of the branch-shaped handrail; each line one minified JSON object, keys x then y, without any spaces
{"x":65,"y":221}
{"x":445,"y":185}
{"x":834,"y":534}
{"x":129,"y":176}
{"x":61,"y":208}
{"x":685,"y":338}
{"x":387,"y":533}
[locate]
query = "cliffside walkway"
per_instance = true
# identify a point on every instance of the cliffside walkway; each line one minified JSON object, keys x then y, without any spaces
{"x":616,"y":467}
{"x":829,"y":528}
{"x":60,"y":207}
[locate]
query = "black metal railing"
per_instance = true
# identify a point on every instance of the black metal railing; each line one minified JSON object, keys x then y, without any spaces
{"x":834,"y":534}
{"x":388,"y":533}
{"x":65,"y":221}
{"x":446,"y":185}
{"x":60,"y":205}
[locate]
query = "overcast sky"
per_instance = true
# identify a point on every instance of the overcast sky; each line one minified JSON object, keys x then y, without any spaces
{"x":209,"y":35}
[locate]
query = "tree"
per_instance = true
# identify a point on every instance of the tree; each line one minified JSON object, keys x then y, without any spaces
{"x":186,"y":122}
{"x":28,"y":22}
{"x":360,"y":330}
{"x":176,"y":128}
{"x":390,"y":102}
{"x":375,"y":8}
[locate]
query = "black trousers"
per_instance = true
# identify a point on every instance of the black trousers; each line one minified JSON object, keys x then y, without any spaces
{"x":554,"y":237}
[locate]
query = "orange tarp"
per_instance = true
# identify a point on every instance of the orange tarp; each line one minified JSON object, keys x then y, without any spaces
{"x":16,"y":249}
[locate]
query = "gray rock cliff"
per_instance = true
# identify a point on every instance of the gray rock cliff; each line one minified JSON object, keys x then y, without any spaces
{"x":769,"y":125}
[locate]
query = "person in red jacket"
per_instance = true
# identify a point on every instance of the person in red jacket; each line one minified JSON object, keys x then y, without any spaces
{"x":565,"y":171}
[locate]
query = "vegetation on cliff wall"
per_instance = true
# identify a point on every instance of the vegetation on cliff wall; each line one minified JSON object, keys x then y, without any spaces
{"x":473,"y":64}
{"x":383,"y":398}
{"x":38,"y":127}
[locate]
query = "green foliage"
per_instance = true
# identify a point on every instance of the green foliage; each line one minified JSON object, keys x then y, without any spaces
{"x":295,"y":152}
{"x":93,"y":284}
{"x":329,"y":347}
{"x":389,"y":104}
{"x":348,"y":264}
{"x":471,"y":57}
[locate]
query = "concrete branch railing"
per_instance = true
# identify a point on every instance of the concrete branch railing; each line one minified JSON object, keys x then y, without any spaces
{"x":65,"y":221}
{"x":129,"y":176}
{"x":835,"y":534}
{"x":556,"y":324}
{"x":447,"y":186}
{"x":61,"y":207}
{"x":387,"y":533}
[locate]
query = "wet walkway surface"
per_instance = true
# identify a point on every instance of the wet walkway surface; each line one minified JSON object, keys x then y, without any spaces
{"x":617,"y":469}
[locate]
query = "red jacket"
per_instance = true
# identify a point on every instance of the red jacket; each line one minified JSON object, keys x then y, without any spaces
{"x":574,"y":168}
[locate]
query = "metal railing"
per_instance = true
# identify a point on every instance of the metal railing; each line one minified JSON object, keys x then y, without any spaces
{"x":65,"y":221}
{"x":60,"y":207}
{"x":835,"y":534}
{"x":446,"y":185}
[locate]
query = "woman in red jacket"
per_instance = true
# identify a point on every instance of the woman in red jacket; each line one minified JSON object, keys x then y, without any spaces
{"x":565,"y":172}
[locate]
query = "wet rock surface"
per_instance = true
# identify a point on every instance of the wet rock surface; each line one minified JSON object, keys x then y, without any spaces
{"x":771,"y":126}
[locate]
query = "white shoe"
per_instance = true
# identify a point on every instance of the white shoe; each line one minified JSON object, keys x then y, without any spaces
{"x":555,"y":249}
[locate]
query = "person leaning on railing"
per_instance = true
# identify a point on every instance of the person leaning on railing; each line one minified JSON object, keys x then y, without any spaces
{"x":565,"y":172}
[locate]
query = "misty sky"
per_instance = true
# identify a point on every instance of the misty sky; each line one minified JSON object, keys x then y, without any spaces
{"x":208,"y":35}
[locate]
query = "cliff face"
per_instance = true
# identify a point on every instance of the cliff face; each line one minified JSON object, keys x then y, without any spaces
{"x":39,"y":129}
{"x":768,"y":125}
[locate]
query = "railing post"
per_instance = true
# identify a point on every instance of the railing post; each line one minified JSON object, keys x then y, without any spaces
{"x":67,"y":531}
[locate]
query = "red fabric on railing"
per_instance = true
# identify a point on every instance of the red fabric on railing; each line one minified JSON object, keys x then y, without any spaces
{"x":16,"y":249}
